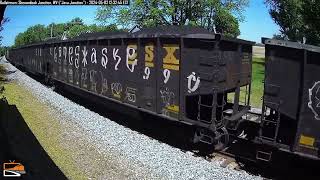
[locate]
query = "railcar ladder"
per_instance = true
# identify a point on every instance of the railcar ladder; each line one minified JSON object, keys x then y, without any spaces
{"x":274,"y":120}
{"x":215,"y":122}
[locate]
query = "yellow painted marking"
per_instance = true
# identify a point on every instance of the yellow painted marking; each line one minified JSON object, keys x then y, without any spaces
{"x":173,"y":108}
{"x":117,"y":95}
{"x":172,"y":67}
{"x":130,"y":61}
{"x":133,"y":56}
{"x":149,"y":64}
{"x":170,"y":61}
{"x":149,"y":52}
{"x":306,"y":140}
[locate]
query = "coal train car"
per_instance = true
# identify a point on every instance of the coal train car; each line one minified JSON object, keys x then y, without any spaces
{"x":196,"y":77}
{"x":183,"y":74}
{"x":291,"y":102}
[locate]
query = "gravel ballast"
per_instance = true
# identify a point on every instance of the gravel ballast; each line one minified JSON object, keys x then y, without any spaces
{"x":145,"y":157}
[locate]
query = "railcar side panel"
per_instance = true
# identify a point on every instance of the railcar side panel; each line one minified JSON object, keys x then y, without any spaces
{"x":308,"y":135}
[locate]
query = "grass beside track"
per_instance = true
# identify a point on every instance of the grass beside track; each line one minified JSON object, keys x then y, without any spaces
{"x":257,"y":78}
{"x":36,"y":114}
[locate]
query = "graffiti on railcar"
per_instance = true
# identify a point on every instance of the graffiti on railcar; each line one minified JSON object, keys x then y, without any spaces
{"x":104,"y":85}
{"x":76,"y":77}
{"x":314,"y":99}
{"x":84,"y":55}
{"x":70,"y":55}
{"x":70,"y":75}
{"x":116,"y":57}
{"x":168,"y":99}
{"x":65,"y":64}
{"x":193,"y":79}
{"x":167,"y":96}
{"x":93,"y":80}
{"x":116,"y":89}
{"x":84,"y":78}
{"x":131,"y":94}
{"x":169,"y":92}
{"x":93,"y":57}
{"x":78,"y":61}
{"x":77,"y":56}
{"x":104,"y":58}
{"x":131,"y":57}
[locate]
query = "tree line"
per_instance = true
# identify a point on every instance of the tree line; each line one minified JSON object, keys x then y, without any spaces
{"x":299,"y":20}
{"x":75,"y":27}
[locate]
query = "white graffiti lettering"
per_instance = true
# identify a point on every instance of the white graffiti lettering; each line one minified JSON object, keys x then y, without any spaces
{"x":84,"y":77}
{"x":76,"y":60}
{"x":192,"y":77}
{"x":131,"y":56}
{"x":116,"y":89}
{"x":116,"y":57}
{"x":314,"y":100}
{"x":93,"y":56}
{"x":104,"y":58}
{"x":84,"y":53}
{"x":60,"y":55}
{"x":70,"y":55}
{"x":104,"y":83}
{"x":167,"y":96}
{"x":93,"y":80}
{"x":131,"y":94}
{"x":65,"y":53}
{"x":55,"y":54}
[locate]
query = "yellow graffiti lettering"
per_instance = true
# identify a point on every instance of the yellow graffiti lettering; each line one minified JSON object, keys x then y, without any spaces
{"x":170,"y":61}
{"x":173,"y":108}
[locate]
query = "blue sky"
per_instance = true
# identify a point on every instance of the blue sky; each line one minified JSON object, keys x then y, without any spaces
{"x":257,"y":24}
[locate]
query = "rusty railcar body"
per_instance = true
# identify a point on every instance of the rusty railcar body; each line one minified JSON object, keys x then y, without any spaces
{"x":291,"y":101}
{"x":182,"y":74}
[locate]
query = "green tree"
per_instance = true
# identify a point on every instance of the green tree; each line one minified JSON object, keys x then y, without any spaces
{"x":222,"y":14}
{"x":76,"y":30}
{"x":33,"y":34}
{"x":73,"y":28}
{"x":297,"y":19}
{"x":3,"y":50}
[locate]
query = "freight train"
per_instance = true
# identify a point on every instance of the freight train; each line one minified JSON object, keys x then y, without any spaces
{"x":193,"y":76}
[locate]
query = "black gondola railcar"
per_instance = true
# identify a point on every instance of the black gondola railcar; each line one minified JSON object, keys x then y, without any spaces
{"x":291,"y":101}
{"x":179,"y":73}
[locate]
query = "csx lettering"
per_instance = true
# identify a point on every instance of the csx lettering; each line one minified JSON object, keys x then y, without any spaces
{"x":170,"y":61}
{"x":149,"y":55}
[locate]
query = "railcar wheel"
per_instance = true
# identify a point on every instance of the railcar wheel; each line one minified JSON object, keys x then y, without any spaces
{"x":218,"y":139}
{"x":221,"y":139}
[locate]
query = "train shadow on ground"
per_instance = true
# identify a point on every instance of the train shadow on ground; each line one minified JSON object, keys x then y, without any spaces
{"x":179,"y":135}
{"x":18,"y":144}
